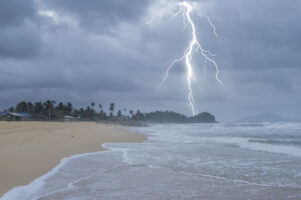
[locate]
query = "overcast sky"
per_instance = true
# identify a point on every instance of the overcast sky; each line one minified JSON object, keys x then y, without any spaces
{"x":106,"y":51}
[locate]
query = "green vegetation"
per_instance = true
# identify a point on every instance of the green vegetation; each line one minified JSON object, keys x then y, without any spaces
{"x":173,"y":117}
{"x":50,"y":110}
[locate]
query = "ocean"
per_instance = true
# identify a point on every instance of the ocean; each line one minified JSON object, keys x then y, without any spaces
{"x":182,"y":161}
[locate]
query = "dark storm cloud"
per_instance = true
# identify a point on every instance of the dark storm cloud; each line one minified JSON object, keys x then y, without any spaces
{"x":15,"y":12}
{"x":102,"y":51}
{"x":100,"y":15}
{"x":18,"y":35}
{"x":19,"y":42}
{"x":261,"y":34}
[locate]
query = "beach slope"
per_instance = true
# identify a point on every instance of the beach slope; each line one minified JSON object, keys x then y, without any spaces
{"x":31,"y":149}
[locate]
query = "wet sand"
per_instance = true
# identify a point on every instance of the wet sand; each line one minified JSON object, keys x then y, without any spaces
{"x":31,"y":149}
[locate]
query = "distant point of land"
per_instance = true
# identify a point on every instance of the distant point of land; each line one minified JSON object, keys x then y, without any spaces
{"x":173,"y":117}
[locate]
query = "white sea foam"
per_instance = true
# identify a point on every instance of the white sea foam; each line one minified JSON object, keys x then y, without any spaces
{"x":69,"y":186}
{"x":247,"y":143}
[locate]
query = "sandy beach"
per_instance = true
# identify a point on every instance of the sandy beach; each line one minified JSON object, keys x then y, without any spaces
{"x":31,"y":149}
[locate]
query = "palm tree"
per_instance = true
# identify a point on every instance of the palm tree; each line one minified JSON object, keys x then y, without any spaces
{"x":119,"y":114}
{"x":81,"y":112}
{"x":101,"y":115}
{"x":138,"y":116}
{"x":38,"y":107}
{"x":88,"y":112}
{"x":112,"y":107}
{"x":92,"y":112}
{"x":75,"y":112}
{"x":21,"y":107}
{"x":49,"y":105}
{"x":30,"y":107}
{"x":11,"y":109}
{"x":60,"y":106}
{"x":69,"y":108}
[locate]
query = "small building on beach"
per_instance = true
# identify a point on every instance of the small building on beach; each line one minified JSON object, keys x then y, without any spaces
{"x":17,"y":116}
{"x":69,"y":118}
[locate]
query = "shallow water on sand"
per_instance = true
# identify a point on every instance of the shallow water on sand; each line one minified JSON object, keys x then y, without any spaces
{"x":196,"y":161}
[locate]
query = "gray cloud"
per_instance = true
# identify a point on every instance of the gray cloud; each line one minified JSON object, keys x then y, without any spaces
{"x":19,"y":42}
{"x":108,"y":53}
{"x":15,"y":12}
{"x":18,"y":35}
{"x":262,"y":34}
{"x":100,"y":15}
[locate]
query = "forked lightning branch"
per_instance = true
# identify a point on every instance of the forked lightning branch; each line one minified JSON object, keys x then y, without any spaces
{"x":186,"y":8}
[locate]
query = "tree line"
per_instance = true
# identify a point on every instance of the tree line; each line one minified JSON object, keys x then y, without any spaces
{"x":50,"y":110}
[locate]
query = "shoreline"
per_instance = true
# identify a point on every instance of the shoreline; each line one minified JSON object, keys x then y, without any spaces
{"x":29,"y":150}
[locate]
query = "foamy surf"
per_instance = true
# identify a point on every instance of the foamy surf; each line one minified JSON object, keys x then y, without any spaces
{"x":31,"y":190}
{"x":192,"y":161}
{"x":259,"y":145}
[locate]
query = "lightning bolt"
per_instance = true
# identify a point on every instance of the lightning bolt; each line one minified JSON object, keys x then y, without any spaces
{"x":186,"y":8}
{"x":212,"y":25}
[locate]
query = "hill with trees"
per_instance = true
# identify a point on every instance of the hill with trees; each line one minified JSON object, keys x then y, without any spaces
{"x":173,"y":117}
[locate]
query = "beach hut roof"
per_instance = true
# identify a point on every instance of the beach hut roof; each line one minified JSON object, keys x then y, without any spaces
{"x":19,"y":114}
{"x":68,"y":117}
{"x":25,"y":114}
